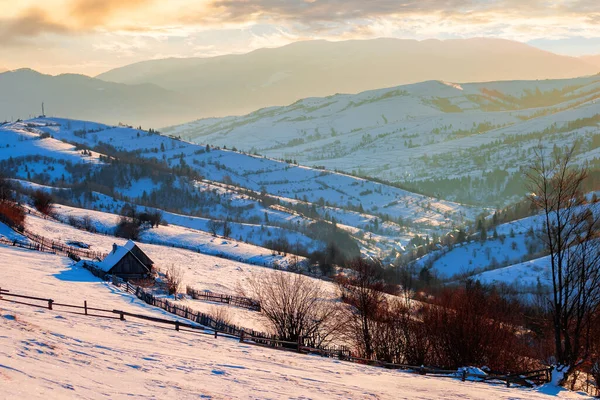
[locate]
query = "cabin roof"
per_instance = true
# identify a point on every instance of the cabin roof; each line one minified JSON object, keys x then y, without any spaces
{"x":116,"y":255}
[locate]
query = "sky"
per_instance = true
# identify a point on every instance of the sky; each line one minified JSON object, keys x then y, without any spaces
{"x":93,"y":36}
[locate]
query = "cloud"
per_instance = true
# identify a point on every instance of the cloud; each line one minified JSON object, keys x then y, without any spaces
{"x":98,"y":12}
{"x":29,"y":24}
{"x":322,"y":15}
{"x":77,"y":16}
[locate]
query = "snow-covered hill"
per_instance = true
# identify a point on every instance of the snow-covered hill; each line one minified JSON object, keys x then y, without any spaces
{"x":251,"y":192}
{"x":462,"y":141}
{"x":505,"y":245}
{"x":63,"y":355}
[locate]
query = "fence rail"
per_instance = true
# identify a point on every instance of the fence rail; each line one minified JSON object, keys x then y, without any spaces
{"x":40,"y":243}
{"x":177,"y":309}
{"x":527,"y":379}
{"x":237,"y":301}
{"x":58,"y":247}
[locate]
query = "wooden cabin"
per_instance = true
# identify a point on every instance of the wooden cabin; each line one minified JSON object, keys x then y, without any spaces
{"x":127,"y":262}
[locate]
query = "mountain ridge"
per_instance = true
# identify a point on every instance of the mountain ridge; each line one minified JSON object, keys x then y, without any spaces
{"x":241,"y":83}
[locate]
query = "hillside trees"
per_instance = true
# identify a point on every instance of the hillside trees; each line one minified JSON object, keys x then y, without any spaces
{"x":10,"y":212}
{"x":6,"y":189}
{"x":362,"y":290}
{"x":570,"y":235}
{"x":474,"y":325}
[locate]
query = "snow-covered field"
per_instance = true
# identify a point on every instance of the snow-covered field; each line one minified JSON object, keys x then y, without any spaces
{"x":51,"y":354}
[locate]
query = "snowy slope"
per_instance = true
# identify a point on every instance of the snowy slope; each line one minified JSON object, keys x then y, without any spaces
{"x":380,"y":216}
{"x":514,"y":243}
{"x":528,"y":273}
{"x":421,"y":132}
{"x":49,"y":354}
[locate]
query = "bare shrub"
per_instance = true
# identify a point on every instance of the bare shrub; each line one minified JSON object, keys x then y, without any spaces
{"x":88,"y":224}
{"x":127,"y":228}
{"x":174,"y":278}
{"x":221,"y":315}
{"x":296,"y":306}
{"x":42,"y":201}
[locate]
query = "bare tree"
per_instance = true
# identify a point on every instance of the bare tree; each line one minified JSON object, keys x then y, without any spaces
{"x":226,"y":228}
{"x":174,"y":277}
{"x":363,"y":291}
{"x":296,"y":306}
{"x":570,"y":236}
{"x":214,"y":226}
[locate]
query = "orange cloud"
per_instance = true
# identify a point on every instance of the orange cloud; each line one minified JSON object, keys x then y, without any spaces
{"x":31,"y":23}
{"x":98,"y":12}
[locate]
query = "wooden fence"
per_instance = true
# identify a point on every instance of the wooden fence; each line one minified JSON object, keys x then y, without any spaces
{"x":46,"y":244}
{"x":175,"y":308}
{"x":237,"y":301}
{"x":527,"y":379}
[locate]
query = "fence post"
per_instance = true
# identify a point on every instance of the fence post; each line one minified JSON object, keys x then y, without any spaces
{"x":242,"y":337}
{"x":122,"y":317}
{"x":85,"y":306}
{"x":299,"y":343}
{"x":50,"y":304}
{"x":177,"y":325}
{"x":216,"y":332}
{"x":464,"y":375}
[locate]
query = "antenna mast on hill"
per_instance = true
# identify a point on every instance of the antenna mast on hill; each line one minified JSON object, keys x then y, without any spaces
{"x":43,"y":115}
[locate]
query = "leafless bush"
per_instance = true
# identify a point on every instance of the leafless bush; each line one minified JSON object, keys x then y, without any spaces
{"x":221,"y":315}
{"x":43,"y":201}
{"x":174,"y":277}
{"x":127,"y":228}
{"x":12,"y":214}
{"x":88,"y":224}
{"x":214,"y":226}
{"x":296,"y":306}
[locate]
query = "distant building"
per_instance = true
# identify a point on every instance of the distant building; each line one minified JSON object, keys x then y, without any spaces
{"x":127,"y":262}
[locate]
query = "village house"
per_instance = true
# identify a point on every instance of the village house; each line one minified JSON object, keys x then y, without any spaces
{"x":127,"y":262}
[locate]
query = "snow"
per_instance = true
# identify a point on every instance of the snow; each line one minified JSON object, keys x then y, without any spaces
{"x":417,"y":132}
{"x":61,"y":355}
{"x":170,"y":235}
{"x":528,"y":273}
{"x":117,"y":253}
{"x":328,"y":194}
